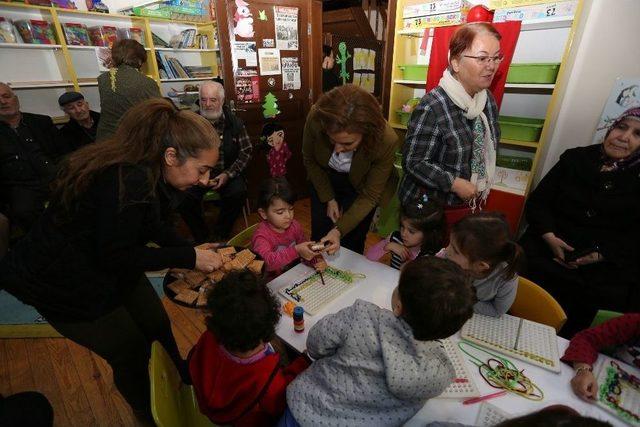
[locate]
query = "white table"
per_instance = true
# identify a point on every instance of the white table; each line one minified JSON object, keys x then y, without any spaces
{"x":377,"y":288}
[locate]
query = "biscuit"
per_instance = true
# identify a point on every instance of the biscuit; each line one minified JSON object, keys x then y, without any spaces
{"x":244,"y":257}
{"x":178,"y":286}
{"x":256,"y":266}
{"x":216,"y":276}
{"x":187,"y":296}
{"x":226,"y":251}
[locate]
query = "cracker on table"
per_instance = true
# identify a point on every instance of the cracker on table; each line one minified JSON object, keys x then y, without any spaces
{"x":187,"y":296}
{"x":256,"y":266}
{"x":226,"y":258}
{"x":244,"y":257}
{"x":195,"y":278}
{"x":202,"y":297}
{"x":178,"y":286}
{"x":226,"y":251}
{"x":216,"y":276}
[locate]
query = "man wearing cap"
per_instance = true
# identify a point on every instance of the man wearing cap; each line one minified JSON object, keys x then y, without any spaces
{"x":83,"y":122}
{"x":29,"y":143}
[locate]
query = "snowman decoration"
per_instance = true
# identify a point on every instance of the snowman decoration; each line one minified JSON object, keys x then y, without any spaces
{"x":243,"y":19}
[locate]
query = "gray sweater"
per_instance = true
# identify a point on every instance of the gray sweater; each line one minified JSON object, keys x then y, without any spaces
{"x":495,"y":294}
{"x":369,"y":371}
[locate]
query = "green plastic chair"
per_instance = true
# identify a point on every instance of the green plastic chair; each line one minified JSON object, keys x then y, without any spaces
{"x":243,"y":238}
{"x":173,"y":403}
{"x":389,"y":220}
{"x":604,"y":315}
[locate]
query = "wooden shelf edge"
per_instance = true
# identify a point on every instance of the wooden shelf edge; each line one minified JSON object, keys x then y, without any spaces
{"x":410,"y":82}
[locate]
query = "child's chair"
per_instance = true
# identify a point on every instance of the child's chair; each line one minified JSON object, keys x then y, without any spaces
{"x":243,"y":238}
{"x":602,"y":316}
{"x":534,"y":303}
{"x":173,"y":403}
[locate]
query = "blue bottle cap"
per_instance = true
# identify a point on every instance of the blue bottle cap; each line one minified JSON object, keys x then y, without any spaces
{"x":298,"y":311}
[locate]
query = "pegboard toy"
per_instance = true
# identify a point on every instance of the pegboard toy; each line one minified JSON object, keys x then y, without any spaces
{"x":312,"y":294}
{"x":463,"y":385}
{"x":619,"y":392}
{"x":490,"y":415}
{"x":529,"y":341}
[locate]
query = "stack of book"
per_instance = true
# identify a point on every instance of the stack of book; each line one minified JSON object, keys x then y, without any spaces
{"x":170,"y":68}
{"x":199,"y":71}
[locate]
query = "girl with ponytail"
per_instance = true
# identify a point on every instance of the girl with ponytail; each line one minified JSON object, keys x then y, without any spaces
{"x":481,"y":244}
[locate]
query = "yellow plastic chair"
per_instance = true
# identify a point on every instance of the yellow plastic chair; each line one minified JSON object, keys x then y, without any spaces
{"x":534,"y":303}
{"x":173,"y":403}
{"x":243,"y":238}
{"x":604,"y":315}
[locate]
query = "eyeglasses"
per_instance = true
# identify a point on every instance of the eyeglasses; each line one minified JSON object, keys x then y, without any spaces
{"x":484,"y":60}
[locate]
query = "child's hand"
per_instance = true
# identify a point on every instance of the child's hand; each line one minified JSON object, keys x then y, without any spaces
{"x":304,"y":250}
{"x":584,"y":385}
{"x":398,"y":249}
{"x":207,"y":260}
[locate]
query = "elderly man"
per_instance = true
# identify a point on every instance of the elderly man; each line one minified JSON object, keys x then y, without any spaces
{"x":28,"y":147}
{"x":83,"y":122}
{"x":229,"y":180}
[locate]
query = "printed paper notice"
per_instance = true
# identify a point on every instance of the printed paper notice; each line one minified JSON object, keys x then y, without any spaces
{"x":246,"y":51}
{"x":290,"y":74}
{"x":286,"y":22}
{"x":269,"y":62}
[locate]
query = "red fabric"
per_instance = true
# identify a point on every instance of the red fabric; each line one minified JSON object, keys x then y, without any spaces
{"x":225,"y":388}
{"x":438,"y":61}
{"x":585,"y":345}
{"x":277,"y":160}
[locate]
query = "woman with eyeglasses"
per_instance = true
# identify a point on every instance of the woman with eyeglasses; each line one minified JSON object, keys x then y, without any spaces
{"x":451,"y":139}
{"x":82,"y":264}
{"x":348,"y":150}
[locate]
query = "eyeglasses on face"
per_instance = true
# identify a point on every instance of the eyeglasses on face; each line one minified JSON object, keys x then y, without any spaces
{"x":484,"y":59}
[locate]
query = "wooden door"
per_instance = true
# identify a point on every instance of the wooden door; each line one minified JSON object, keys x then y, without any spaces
{"x":293,"y":103}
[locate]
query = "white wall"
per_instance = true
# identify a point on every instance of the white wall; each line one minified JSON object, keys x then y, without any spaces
{"x":606,"y":46}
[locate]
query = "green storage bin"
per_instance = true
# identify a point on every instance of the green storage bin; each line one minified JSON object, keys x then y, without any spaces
{"x":543,"y":73}
{"x":514,"y":162}
{"x":520,"y":128}
{"x":414,"y":72}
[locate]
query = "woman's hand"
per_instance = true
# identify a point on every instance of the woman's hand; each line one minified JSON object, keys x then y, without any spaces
{"x":333,"y":210}
{"x":584,"y":384}
{"x":397,"y":249}
{"x":557,"y":246}
{"x":304,"y":250}
{"x":463,"y":188}
{"x":333,"y":237}
{"x":592,"y":258}
{"x":208,"y":246}
{"x":207,"y":260}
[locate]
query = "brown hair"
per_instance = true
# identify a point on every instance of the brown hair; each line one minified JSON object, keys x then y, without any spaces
{"x":352,"y":109}
{"x":128,"y":52}
{"x":144,"y":134}
{"x":437,"y":297}
{"x":485,"y":236}
{"x":465,"y":35}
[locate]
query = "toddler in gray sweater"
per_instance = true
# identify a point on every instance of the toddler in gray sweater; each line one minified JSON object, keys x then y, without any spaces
{"x":376,"y":367}
{"x":481,"y":244}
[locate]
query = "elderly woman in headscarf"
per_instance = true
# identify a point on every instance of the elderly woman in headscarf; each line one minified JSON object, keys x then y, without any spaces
{"x":584,"y":226}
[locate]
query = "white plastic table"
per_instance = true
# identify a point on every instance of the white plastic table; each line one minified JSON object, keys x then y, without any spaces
{"x":377,"y":288}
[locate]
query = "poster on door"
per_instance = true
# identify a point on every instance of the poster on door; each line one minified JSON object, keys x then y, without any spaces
{"x":269,"y":62}
{"x":290,"y":74}
{"x":286,"y":23}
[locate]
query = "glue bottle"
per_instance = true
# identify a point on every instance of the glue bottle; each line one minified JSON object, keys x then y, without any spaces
{"x":298,"y":319}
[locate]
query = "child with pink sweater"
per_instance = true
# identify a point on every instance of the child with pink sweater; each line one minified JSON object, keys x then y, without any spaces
{"x":279,"y":239}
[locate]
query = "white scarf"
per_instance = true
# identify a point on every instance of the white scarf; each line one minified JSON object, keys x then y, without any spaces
{"x":473,"y":107}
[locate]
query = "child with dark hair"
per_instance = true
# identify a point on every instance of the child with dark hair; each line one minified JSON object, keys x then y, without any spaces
{"x":421,"y":232}
{"x":235,"y":371}
{"x":279,"y":153}
{"x":280,"y":239}
{"x":377,"y":367}
{"x":481,"y":244}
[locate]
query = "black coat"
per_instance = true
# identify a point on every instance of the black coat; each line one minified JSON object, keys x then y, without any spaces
{"x":78,"y":268}
{"x":75,"y":136}
{"x":31,"y":164}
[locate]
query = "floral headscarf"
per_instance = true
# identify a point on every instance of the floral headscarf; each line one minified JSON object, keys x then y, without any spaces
{"x":609,"y":164}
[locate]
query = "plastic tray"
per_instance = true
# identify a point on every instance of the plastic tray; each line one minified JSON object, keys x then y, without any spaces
{"x":533,"y":73}
{"x":414,"y":72}
{"x":520,"y":128}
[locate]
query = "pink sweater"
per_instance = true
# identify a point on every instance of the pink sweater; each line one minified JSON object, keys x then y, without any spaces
{"x":277,"y":249}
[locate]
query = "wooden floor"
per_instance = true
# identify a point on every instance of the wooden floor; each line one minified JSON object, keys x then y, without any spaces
{"x":77,"y":382}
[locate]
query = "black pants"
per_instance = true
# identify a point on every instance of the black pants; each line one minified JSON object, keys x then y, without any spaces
{"x":27,"y":409}
{"x":4,"y":235}
{"x":24,"y":205}
{"x":345,"y":195}
{"x":123,"y":338}
{"x":232,"y":198}
{"x":583,"y":291}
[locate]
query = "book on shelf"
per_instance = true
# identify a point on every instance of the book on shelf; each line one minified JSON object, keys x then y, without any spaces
{"x":157,"y":41}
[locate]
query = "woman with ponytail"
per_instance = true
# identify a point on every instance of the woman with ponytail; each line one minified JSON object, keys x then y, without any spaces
{"x":82,"y":264}
{"x":481,"y":244}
